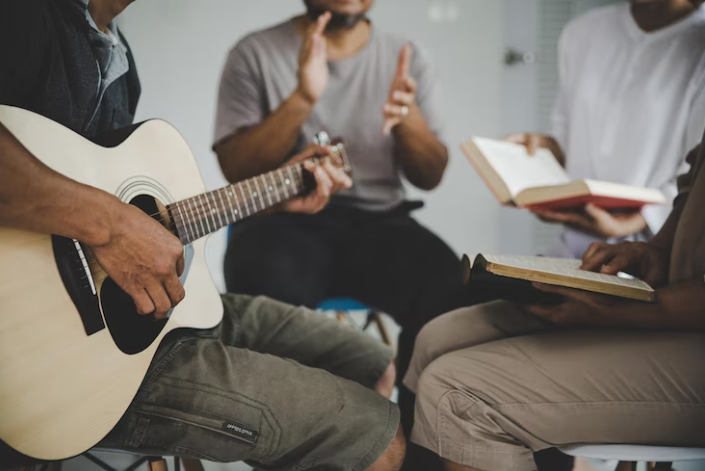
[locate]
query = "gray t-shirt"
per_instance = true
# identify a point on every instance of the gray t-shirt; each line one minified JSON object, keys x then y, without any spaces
{"x":261,"y":72}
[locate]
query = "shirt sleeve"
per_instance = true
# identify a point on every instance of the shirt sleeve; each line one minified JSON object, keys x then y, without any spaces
{"x":428,"y":95}
{"x":559,"y":114}
{"x":239,"y":95}
{"x":656,"y":216}
{"x":22,"y":49}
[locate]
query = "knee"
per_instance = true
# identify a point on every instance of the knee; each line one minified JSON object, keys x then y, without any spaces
{"x":393,"y":456}
{"x":434,"y":340}
{"x":385,"y":384}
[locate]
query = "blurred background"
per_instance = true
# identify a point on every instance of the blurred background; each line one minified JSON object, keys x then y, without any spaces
{"x":496,"y":60}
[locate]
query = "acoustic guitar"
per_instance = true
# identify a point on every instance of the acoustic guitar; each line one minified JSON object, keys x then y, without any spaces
{"x":73,"y":350}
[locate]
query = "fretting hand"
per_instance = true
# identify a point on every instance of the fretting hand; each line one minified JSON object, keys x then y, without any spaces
{"x":329,"y":180}
{"x":402,"y":95}
{"x":313,"y":61}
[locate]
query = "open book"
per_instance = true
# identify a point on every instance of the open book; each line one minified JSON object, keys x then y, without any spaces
{"x":510,"y":277}
{"x":539,"y":181}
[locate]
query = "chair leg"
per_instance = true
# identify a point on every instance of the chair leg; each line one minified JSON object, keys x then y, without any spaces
{"x":382,"y":327}
{"x":156,"y":464}
{"x":626,"y":466}
{"x":192,"y":465}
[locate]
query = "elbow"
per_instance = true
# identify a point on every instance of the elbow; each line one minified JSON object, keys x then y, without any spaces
{"x":229,"y":162}
{"x":431,"y":177}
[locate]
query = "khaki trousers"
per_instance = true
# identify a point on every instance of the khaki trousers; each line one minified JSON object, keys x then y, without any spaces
{"x":495,"y":384}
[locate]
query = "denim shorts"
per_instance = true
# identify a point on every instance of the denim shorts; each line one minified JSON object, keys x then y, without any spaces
{"x":279,"y":387}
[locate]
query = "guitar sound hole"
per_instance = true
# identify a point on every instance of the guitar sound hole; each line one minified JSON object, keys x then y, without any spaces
{"x":131,"y":332}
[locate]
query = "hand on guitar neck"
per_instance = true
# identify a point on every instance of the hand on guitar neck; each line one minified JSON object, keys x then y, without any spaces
{"x":329,"y":180}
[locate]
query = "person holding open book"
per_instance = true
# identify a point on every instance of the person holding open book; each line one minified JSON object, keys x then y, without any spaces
{"x":631,"y":104}
{"x":499,"y":381}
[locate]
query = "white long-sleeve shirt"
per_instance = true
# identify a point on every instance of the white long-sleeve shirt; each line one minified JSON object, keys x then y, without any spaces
{"x":631,"y":104}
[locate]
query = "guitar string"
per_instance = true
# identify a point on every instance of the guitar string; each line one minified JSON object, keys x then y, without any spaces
{"x":299,"y":167}
{"x":248,"y":204}
{"x":93,"y":263}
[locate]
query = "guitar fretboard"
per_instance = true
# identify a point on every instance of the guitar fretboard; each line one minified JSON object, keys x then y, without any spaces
{"x":201,"y":215}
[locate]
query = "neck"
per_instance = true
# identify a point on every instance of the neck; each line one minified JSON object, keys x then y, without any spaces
{"x":342,"y":43}
{"x":104,"y":12}
{"x":655,"y":15}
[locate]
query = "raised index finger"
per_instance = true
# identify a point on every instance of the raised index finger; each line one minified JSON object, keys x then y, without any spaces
{"x":404,"y":65}
{"x":322,"y":22}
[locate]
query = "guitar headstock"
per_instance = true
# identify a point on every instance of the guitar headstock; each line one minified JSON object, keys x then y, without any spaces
{"x":338,"y":156}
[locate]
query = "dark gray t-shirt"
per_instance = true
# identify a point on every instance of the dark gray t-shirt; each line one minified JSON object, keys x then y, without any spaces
{"x":261,"y":72}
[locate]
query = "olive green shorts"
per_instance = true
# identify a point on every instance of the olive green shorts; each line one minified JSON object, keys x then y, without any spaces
{"x":277,"y":386}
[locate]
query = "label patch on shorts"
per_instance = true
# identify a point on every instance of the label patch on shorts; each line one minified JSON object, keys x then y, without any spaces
{"x":241,"y":431}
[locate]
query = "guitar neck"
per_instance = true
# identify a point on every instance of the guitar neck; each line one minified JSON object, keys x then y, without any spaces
{"x":201,"y":215}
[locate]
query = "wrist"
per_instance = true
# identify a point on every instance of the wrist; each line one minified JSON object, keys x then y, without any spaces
{"x":110,"y":218}
{"x":303,"y":98}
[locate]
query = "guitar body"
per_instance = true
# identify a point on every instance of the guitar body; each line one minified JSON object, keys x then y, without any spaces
{"x":73,"y":352}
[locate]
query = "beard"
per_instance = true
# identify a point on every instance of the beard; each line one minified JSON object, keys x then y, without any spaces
{"x":338,"y":21}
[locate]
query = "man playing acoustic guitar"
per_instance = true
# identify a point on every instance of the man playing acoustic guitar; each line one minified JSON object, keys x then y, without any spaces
{"x":274,"y":385}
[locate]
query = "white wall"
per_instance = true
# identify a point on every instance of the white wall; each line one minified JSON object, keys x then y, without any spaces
{"x":180,"y":46}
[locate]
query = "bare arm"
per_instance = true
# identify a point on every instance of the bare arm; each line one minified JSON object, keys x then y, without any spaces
{"x":423,"y":157}
{"x":679,"y":307}
{"x":264,"y":147}
{"x":35,"y":198}
{"x":140,"y":255}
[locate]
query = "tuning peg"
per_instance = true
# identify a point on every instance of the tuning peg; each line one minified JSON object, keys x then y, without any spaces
{"x":322,"y":139}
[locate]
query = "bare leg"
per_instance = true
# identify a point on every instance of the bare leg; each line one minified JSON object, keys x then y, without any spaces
{"x":450,"y":466}
{"x":393,"y":457}
{"x":385,"y":385}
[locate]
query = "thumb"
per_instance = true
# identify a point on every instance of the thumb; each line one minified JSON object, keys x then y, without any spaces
{"x":597,"y":213}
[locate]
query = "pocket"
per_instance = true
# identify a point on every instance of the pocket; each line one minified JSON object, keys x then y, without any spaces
{"x":207,"y":435}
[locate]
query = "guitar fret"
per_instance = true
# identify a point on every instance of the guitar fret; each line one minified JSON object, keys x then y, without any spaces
{"x":292,"y":179}
{"x":225,"y":209}
{"x":259,"y":192}
{"x":252,"y":197}
{"x":244,"y":199}
{"x":185,"y":223}
{"x":280,"y":173}
{"x":237,"y":201}
{"x":192,"y":223}
{"x":195,"y":215}
{"x":268,"y":188}
{"x":218,"y":210}
{"x":205,"y":214}
{"x":211,"y":212}
{"x":277,"y":195}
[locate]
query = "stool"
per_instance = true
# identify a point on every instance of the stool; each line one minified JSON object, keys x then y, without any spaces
{"x":659,"y":458}
{"x":343,"y":306}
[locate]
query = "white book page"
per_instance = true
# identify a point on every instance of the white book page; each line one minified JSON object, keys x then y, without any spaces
{"x":565,"y":267}
{"x":518,"y":169}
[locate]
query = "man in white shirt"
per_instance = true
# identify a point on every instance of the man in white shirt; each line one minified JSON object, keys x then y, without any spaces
{"x":631,"y":103}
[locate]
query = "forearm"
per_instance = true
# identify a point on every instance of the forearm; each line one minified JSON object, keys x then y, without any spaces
{"x":422,"y":155}
{"x":264,"y":147}
{"x":679,"y":307}
{"x":35,"y":198}
{"x":664,"y":238}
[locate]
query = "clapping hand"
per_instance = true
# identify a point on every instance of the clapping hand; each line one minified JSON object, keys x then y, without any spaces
{"x":402,"y":95}
{"x":313,"y":61}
